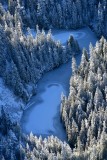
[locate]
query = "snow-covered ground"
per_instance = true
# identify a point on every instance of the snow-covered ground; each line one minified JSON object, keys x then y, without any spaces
{"x":43,"y":115}
{"x":10,"y":103}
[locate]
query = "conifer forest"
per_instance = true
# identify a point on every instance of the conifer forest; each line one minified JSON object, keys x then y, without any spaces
{"x":53,"y":79}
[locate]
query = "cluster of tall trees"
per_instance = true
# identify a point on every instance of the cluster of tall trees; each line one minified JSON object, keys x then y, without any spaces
{"x":16,"y":146}
{"x":24,"y":58}
{"x":84,"y":112}
{"x":62,"y":14}
{"x":89,"y":142}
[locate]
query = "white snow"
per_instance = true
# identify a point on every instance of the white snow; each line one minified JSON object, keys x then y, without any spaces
{"x":10,"y":103}
{"x":81,"y":35}
{"x":63,"y":35}
{"x":42,"y":116}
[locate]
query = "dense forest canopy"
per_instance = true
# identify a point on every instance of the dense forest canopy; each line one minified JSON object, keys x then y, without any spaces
{"x":62,"y":14}
{"x":83,"y":113}
{"x":25,"y":58}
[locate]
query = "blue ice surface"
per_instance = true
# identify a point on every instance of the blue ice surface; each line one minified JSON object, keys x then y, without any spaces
{"x":43,"y":114}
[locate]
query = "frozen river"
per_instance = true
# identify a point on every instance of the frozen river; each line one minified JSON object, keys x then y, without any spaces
{"x":43,"y":114}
